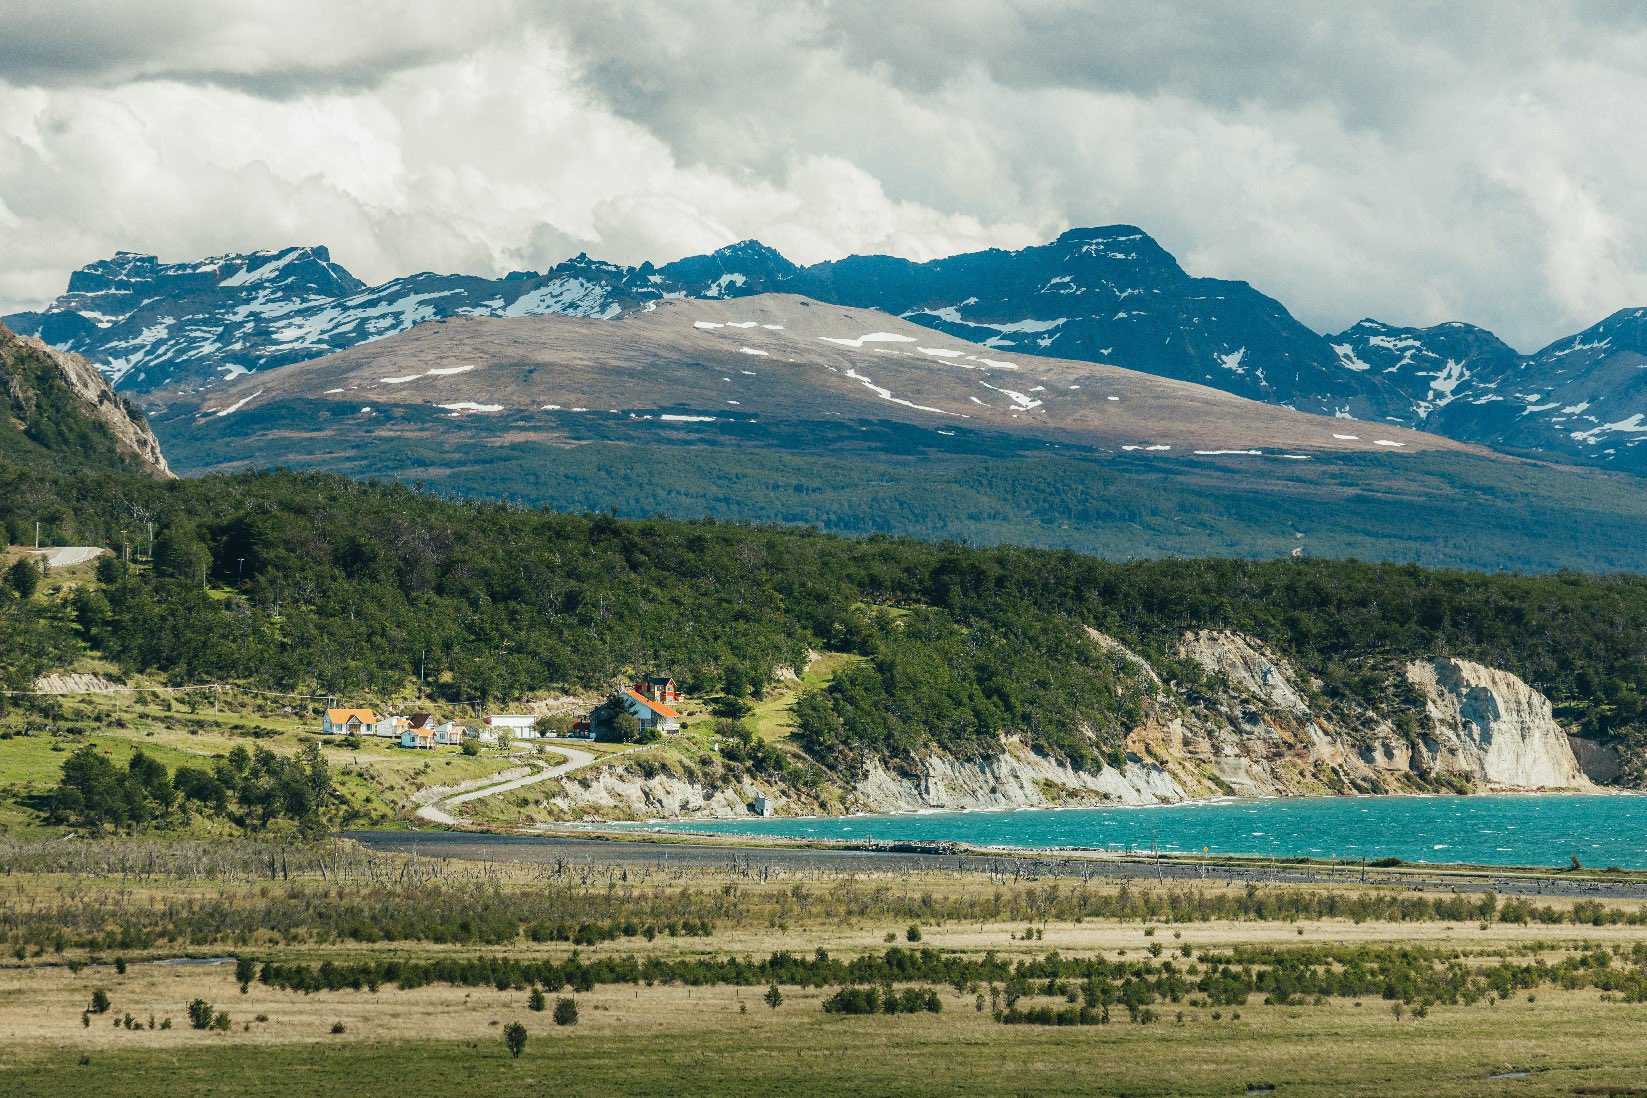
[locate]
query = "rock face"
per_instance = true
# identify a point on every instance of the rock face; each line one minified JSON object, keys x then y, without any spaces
{"x":1493,"y":728}
{"x":1252,"y":731}
{"x":59,"y":406}
{"x":1248,"y":666}
{"x":130,"y":429}
{"x":1013,"y":779}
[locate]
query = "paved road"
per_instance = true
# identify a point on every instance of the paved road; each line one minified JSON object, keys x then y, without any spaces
{"x":439,"y":811}
{"x":540,"y":849}
{"x":67,"y":556}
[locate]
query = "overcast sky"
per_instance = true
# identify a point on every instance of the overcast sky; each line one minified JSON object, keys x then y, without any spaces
{"x":1415,"y":162}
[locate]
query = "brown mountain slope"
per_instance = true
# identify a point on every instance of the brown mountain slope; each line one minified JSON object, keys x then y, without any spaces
{"x":778,"y":358}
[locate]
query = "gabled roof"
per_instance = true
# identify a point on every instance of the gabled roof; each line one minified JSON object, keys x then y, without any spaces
{"x":657,"y":707}
{"x":341,"y":716}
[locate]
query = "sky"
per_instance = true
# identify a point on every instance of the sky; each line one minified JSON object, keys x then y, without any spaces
{"x":1410,"y":161}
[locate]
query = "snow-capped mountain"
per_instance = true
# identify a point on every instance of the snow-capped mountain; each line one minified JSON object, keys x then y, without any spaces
{"x":1104,"y":295}
{"x":1109,"y":295}
{"x":1115,"y":295}
{"x":1583,"y":397}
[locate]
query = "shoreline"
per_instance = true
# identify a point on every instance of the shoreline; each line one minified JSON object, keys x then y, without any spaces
{"x":632,"y":851}
{"x":757,"y":833}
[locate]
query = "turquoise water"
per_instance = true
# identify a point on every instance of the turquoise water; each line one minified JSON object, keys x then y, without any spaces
{"x":1603,"y":830}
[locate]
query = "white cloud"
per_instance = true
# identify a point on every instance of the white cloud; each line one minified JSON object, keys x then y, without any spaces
{"x":1469,"y":161}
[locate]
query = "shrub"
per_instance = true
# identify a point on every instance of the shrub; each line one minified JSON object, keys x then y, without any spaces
{"x":514,"y":1035}
{"x":913,"y":933}
{"x":200,"y":1014}
{"x":470,"y":747}
{"x":99,"y":1002}
{"x":566,"y":1012}
{"x":773,"y":997}
{"x":537,"y":1002}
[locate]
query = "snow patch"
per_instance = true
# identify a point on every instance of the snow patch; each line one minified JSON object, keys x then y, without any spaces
{"x":872,"y":337}
{"x":242,"y":402}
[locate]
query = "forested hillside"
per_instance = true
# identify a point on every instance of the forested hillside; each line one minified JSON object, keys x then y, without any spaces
{"x":56,"y":408}
{"x":304,"y":580}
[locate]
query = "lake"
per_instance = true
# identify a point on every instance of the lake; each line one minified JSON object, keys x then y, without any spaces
{"x":1537,"y":830}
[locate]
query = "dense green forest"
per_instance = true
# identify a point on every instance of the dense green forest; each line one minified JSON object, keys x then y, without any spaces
{"x":867,"y":477}
{"x":250,"y":789}
{"x":290,"y":580}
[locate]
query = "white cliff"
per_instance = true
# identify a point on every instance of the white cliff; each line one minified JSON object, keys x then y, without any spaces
{"x":1493,"y":728}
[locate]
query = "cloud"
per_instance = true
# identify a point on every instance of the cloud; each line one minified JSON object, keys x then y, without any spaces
{"x":1414,"y":162}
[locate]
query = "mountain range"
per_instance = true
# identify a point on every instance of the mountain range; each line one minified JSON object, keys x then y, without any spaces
{"x":1108,"y":295}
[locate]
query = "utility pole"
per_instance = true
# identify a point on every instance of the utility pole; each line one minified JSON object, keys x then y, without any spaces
{"x":37,"y":533}
{"x":239,"y":566}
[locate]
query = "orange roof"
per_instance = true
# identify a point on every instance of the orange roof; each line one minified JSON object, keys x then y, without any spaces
{"x":657,"y":707}
{"x":340,"y":716}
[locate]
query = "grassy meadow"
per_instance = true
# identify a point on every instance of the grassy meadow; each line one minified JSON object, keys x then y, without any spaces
{"x":1547,"y":1001}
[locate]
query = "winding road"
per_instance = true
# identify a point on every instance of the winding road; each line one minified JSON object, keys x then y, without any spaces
{"x":439,"y":810}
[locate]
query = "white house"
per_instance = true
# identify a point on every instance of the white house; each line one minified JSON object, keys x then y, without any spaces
{"x":391,"y":728}
{"x":451,"y":734}
{"x":417,"y":737}
{"x":344,"y":722}
{"x":519,"y":726}
{"x":651,"y":714}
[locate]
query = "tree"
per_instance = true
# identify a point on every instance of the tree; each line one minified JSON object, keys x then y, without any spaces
{"x":773,"y":997}
{"x":553,"y":725}
{"x":566,"y":1012}
{"x":179,"y":554}
{"x":201,"y":1014}
{"x":99,"y":1002}
{"x":537,"y":1002}
{"x":514,"y":1035}
{"x":24,"y":577}
{"x":470,"y":747}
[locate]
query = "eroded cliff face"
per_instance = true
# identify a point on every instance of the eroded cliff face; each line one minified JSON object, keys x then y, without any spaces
{"x":1255,"y":727}
{"x":1493,"y":728}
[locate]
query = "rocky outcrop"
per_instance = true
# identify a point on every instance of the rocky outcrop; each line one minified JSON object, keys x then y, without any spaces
{"x":1013,"y":779}
{"x":65,"y":682}
{"x":1601,"y":762}
{"x":1247,"y":666}
{"x":614,"y":792}
{"x":1489,"y":726}
{"x":125,"y":423}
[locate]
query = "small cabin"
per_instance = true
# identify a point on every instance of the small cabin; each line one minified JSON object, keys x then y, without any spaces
{"x":349,"y":722}
{"x":418,"y":738}
{"x":390,"y":728}
{"x":450,"y":734}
